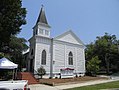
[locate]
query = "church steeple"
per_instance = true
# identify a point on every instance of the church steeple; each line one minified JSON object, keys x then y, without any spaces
{"x":42,"y":16}
{"x":41,"y":28}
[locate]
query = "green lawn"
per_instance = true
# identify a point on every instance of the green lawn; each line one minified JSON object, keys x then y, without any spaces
{"x":109,"y":85}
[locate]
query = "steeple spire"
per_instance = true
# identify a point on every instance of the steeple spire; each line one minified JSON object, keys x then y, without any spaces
{"x":42,"y":17}
{"x":41,"y":27}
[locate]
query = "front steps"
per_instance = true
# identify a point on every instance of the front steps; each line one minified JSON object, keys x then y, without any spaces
{"x":27,"y":76}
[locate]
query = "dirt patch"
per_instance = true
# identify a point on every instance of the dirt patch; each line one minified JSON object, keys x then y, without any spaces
{"x":57,"y":81}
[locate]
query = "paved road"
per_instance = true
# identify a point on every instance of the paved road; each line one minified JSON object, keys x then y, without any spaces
{"x":61,"y":87}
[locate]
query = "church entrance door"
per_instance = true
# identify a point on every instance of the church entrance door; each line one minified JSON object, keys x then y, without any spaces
{"x":31,"y":65}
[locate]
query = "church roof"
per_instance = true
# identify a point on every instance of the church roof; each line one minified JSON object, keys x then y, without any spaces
{"x":70,"y":37}
{"x":42,"y":17}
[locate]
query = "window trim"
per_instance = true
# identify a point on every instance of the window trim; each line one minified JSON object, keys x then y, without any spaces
{"x":46,"y":32}
{"x":41,"y":31}
{"x":70,"y":58}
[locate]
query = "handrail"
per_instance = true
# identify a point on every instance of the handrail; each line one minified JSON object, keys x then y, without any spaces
{"x":36,"y":74}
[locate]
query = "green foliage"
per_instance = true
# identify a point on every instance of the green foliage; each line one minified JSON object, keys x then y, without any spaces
{"x":1,"y":55}
{"x":41,"y":71}
{"x":109,"y":85}
{"x":17,"y":44}
{"x":12,"y":17}
{"x":16,"y":47}
{"x":93,"y":65}
{"x":6,"y":74}
{"x":14,"y":51}
{"x":106,"y":48}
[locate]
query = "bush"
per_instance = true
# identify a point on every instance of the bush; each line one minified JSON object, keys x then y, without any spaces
{"x":41,"y":71}
{"x":93,"y":66}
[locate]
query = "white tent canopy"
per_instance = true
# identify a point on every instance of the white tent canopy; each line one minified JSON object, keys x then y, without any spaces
{"x":7,"y":64}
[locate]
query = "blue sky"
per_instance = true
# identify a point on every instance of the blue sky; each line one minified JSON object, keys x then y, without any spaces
{"x":86,"y":18}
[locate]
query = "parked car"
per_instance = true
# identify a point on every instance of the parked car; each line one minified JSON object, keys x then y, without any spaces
{"x":14,"y":85}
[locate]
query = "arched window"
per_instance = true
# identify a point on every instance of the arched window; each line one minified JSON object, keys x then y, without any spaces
{"x":70,"y":58}
{"x":43,"y":58}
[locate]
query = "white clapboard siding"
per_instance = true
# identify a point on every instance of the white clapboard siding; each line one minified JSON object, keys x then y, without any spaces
{"x":80,"y":60}
{"x":69,"y":37}
{"x":62,"y":45}
{"x":59,"y":55}
{"x":42,"y":44}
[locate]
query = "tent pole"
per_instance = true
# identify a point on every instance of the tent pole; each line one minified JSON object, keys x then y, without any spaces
{"x":13,"y":75}
{"x":16,"y":74}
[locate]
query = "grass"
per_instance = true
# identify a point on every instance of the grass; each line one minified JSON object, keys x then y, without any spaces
{"x":109,"y":85}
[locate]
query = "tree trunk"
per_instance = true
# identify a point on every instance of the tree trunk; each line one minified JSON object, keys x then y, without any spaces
{"x":41,"y":76}
{"x":107,"y":63}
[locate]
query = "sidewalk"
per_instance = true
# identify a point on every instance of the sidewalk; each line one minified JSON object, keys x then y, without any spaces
{"x":61,"y":87}
{"x":42,"y":87}
{"x":83,"y":84}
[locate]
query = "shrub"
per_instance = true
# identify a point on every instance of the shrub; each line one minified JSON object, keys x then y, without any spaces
{"x":93,"y":66}
{"x":41,"y":71}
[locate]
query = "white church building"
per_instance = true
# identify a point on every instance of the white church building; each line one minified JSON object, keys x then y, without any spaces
{"x":64,"y":52}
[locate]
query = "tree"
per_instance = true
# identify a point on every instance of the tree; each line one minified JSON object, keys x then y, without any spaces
{"x":1,"y":55}
{"x":106,"y":48}
{"x":93,"y":65}
{"x":90,"y":51}
{"x":15,"y":51}
{"x":16,"y":48}
{"x":41,"y":71}
{"x":12,"y":17}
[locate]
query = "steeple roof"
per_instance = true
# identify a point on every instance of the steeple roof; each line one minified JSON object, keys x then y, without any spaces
{"x":42,"y":17}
